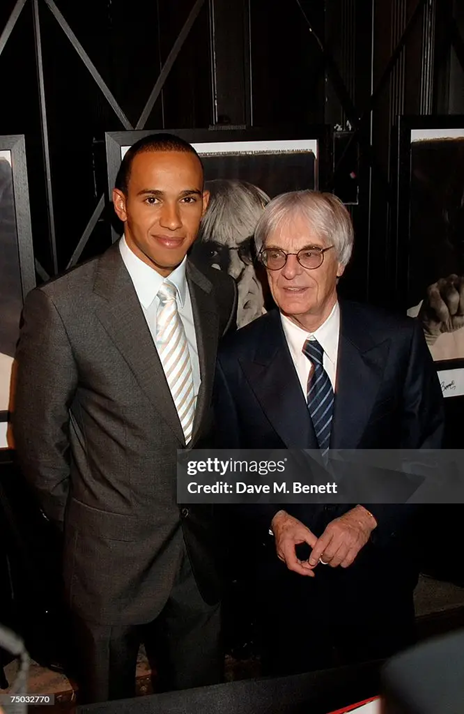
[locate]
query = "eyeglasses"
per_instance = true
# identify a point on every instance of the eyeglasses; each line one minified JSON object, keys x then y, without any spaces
{"x":310,"y":258}
{"x":212,"y":251}
{"x":245,"y":251}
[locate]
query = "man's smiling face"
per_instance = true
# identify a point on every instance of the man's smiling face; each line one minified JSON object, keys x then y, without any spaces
{"x":163,"y":207}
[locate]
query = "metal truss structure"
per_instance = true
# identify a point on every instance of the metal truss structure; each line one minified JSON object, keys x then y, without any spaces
{"x":370,"y":62}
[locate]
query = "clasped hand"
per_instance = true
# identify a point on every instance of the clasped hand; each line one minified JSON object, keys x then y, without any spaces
{"x":338,"y":545}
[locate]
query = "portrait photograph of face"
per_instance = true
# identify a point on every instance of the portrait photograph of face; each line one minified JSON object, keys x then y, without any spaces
{"x":436,"y":271}
{"x":10,"y":279}
{"x":225,"y":241}
{"x":242,"y":177}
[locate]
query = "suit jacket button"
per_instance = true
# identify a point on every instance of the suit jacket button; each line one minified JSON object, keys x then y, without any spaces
{"x":185,"y":512}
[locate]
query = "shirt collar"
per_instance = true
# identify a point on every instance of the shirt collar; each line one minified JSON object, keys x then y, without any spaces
{"x":147,"y":281}
{"x":326,"y":334}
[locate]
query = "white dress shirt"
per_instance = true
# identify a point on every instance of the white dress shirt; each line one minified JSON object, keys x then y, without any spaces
{"x":327,"y":335}
{"x":147,"y":281}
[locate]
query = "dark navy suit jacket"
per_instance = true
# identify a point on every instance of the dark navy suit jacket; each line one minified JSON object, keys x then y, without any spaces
{"x":387,"y":397}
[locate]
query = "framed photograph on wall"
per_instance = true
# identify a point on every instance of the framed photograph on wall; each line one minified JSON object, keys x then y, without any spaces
{"x":430,"y":237}
{"x":17,"y":274}
{"x":244,"y":169}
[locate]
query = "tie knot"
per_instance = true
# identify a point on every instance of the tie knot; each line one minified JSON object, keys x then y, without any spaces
{"x":313,"y":350}
{"x":167,"y":291}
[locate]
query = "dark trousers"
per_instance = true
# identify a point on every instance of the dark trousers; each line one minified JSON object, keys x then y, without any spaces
{"x":341,"y":616}
{"x":185,"y":638}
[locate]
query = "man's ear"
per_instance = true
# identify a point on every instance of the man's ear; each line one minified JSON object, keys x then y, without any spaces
{"x":340,"y":270}
{"x":206,"y":197}
{"x":119,"y":203}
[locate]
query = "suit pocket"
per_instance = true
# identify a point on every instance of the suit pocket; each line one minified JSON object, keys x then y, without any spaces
{"x":95,"y":521}
{"x":102,"y":575}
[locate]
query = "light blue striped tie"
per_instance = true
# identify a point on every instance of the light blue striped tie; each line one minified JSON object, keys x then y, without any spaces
{"x":320,"y":397}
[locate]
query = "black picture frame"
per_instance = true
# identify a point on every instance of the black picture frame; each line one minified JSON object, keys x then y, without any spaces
{"x":244,"y":169}
{"x":16,"y":235}
{"x":321,"y":135}
{"x":429,"y":208}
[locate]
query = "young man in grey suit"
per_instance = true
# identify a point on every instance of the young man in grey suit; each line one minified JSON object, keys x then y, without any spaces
{"x":322,"y":373}
{"x":115,"y":368}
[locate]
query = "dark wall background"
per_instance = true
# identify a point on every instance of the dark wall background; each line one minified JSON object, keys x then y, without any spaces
{"x":71,"y":71}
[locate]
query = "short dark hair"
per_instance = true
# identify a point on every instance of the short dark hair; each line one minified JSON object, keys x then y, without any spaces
{"x":153,"y":142}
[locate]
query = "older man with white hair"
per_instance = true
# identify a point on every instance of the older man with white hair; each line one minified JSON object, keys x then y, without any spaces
{"x":335,"y":583}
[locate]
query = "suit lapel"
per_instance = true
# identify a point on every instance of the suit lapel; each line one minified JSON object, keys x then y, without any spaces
{"x":206,"y":328}
{"x":122,"y":317}
{"x":360,"y":366}
{"x":272,"y":377}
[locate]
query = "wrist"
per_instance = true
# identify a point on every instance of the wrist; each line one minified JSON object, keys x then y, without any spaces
{"x":431,"y":336}
{"x":368,"y":518}
{"x":276,"y":520}
{"x":430,"y":340}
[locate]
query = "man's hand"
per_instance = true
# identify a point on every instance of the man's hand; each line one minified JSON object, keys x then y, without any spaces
{"x":343,"y":539}
{"x":289,"y":532}
{"x":443,"y":307}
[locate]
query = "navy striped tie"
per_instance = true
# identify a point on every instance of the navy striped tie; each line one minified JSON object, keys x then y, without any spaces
{"x":320,"y":395}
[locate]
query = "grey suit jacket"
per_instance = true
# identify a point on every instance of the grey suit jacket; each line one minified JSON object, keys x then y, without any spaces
{"x":96,"y":432}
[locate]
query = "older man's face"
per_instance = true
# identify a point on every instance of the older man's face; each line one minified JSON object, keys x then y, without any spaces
{"x":305,"y":296}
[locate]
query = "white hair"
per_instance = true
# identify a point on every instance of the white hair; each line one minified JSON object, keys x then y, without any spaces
{"x":324,"y":212}
{"x":234,"y":209}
